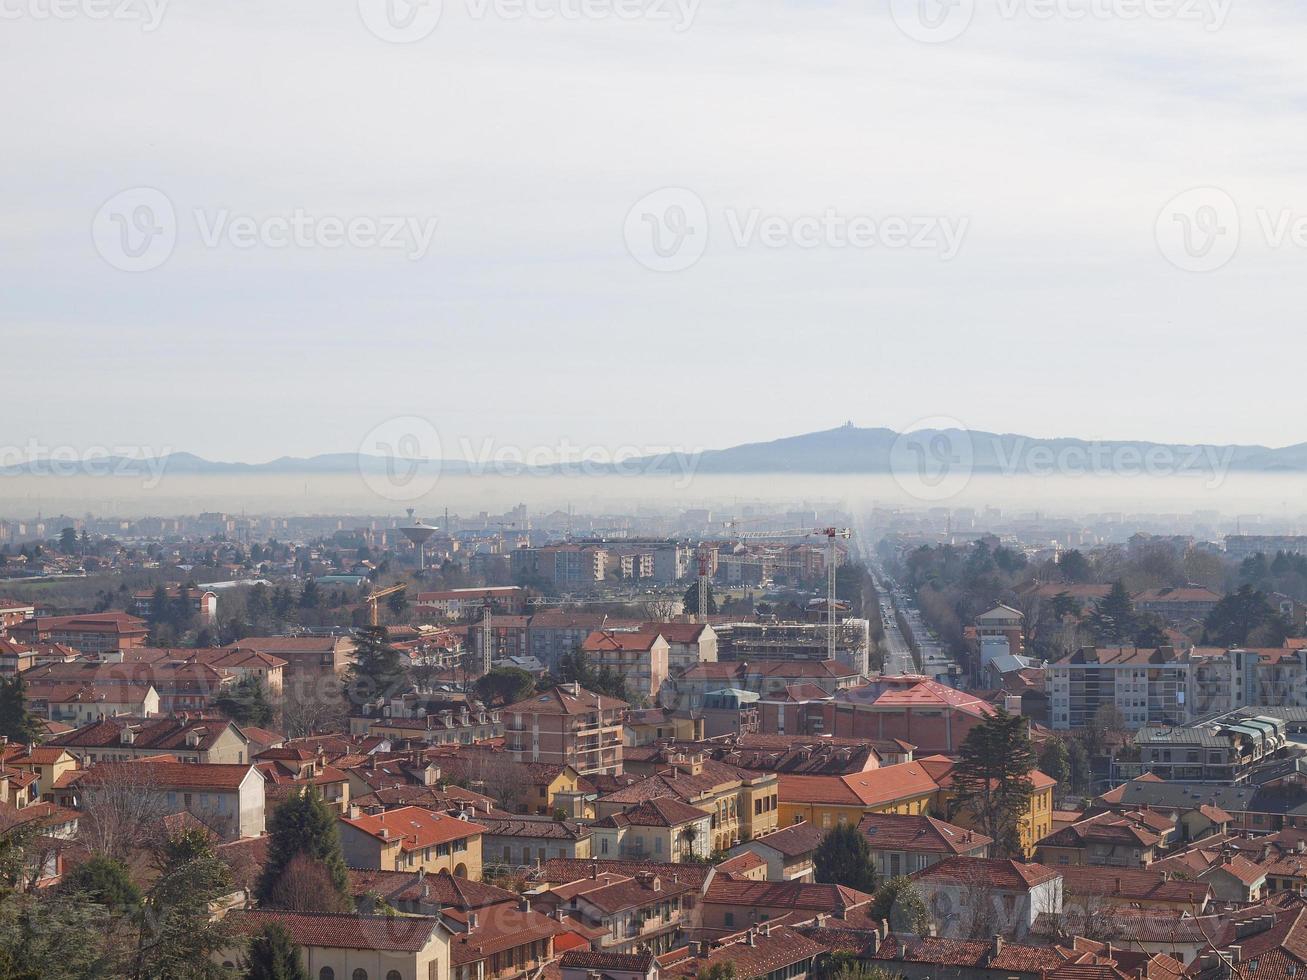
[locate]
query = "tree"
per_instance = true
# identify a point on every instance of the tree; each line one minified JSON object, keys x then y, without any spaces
{"x":68,"y":541}
{"x":898,"y":902}
{"x":992,"y":779}
{"x":1113,"y":620}
{"x":16,"y":722}
{"x":505,"y":685}
{"x":1055,"y":760}
{"x":177,"y":937}
{"x":1240,"y":616}
{"x":246,"y":703}
{"x":272,"y":956}
{"x":104,"y":881}
{"x":303,"y":824}
{"x":307,"y":886}
{"x":844,"y":858}
{"x":379,"y":670}
{"x":122,"y":807}
{"x":718,"y":971}
{"x":691,"y":603}
{"x":310,"y":595}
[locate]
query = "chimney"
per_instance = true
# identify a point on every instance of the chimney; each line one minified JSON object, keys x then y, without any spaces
{"x":996,"y":948}
{"x":523,"y":905}
{"x":753,"y":937}
{"x":594,"y":868}
{"x":471,"y":921}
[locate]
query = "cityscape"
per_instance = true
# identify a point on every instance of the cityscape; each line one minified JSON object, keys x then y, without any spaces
{"x":653,"y":490}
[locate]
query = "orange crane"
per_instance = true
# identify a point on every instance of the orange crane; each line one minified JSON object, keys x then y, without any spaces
{"x":376,"y":597}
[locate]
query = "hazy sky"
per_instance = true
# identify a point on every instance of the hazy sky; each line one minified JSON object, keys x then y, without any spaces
{"x":1033,"y":284}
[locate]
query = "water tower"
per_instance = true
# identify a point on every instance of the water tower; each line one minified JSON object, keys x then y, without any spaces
{"x":419,"y":534}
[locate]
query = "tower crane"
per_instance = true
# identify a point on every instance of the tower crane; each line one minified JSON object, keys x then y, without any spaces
{"x":376,"y":597}
{"x":831,"y":534}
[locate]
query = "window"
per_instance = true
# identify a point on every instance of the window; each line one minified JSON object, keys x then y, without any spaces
{"x":326,"y":973}
{"x":360,"y":974}
{"x":393,"y":975}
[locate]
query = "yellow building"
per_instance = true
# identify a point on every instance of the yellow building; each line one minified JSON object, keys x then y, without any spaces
{"x":742,"y":803}
{"x":920,"y":787}
{"x":412,"y":838}
{"x":826,"y":801}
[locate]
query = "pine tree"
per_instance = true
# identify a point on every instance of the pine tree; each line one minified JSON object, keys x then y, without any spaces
{"x":992,"y":779}
{"x":844,"y":858}
{"x":272,"y":956}
{"x":1113,"y":620}
{"x":691,"y":603}
{"x":16,"y":722}
{"x":246,"y":703}
{"x":379,"y":670}
{"x":304,"y":824}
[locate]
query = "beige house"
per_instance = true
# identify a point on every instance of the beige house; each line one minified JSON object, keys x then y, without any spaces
{"x":413,"y":838}
{"x":352,"y":947}
{"x":122,"y":739}
{"x":229,"y":799}
{"x":662,"y":829}
{"x":742,"y":803}
{"x":78,"y":703}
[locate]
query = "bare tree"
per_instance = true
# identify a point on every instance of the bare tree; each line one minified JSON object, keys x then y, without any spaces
{"x":660,"y":609}
{"x":306,"y":886}
{"x":499,"y":777}
{"x":122,"y":809}
{"x":309,"y":713}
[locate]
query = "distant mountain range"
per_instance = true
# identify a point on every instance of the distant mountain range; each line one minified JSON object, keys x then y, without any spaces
{"x":846,"y":450}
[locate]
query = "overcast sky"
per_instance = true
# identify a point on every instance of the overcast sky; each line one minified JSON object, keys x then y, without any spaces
{"x":1019,"y":265}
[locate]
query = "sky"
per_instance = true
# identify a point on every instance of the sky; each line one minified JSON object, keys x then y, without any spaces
{"x":247,"y":229}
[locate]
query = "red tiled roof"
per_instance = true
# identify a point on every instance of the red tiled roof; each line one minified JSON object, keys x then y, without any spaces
{"x":415,"y":827}
{"x":386,"y":933}
{"x":909,"y":832}
{"x":993,"y":872}
{"x":784,"y":894}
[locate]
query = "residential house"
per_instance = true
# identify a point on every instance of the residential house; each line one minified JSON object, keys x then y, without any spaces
{"x":411,"y":837}
{"x":186,"y":738}
{"x":730,"y":906}
{"x":1121,"y":840}
{"x":659,"y":829}
{"x":688,"y":644}
{"x":769,"y":952}
{"x":74,"y":703}
{"x":903,"y":843}
{"x":643,"y":910}
{"x":788,"y":853}
{"x":202,"y":603}
{"x":743,"y":804}
{"x":1003,"y":896}
{"x":352,"y":947}
{"x":519,"y":841}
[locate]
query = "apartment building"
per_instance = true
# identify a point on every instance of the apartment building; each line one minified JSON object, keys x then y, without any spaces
{"x":753,"y":642}
{"x":202,"y":604}
{"x":1178,"y":605}
{"x":565,"y":566}
{"x":96,"y":633}
{"x":567,"y":726}
{"x":638,"y":658}
{"x":13,"y":612}
{"x":1147,"y":686}
{"x":688,"y":644}
{"x":457,"y":603}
